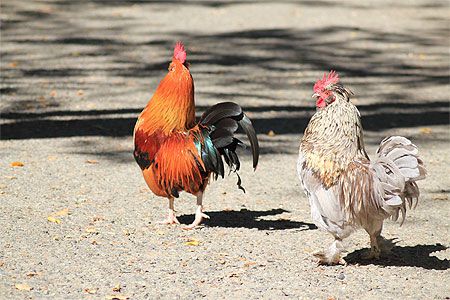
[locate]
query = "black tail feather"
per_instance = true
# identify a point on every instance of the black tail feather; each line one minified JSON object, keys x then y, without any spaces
{"x":222,"y":121}
{"x":251,"y":134}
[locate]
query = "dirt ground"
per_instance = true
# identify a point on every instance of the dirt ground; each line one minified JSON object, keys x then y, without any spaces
{"x":77,"y":220}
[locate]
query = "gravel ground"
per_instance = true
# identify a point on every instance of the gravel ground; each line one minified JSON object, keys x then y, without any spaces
{"x":74,"y":76}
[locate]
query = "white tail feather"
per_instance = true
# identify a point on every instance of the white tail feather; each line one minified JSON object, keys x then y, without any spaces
{"x":398,"y":167}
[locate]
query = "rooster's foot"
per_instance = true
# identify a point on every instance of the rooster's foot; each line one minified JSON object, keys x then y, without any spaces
{"x":171,"y":219}
{"x":374,"y":253}
{"x":325,"y":259}
{"x":199,"y":215}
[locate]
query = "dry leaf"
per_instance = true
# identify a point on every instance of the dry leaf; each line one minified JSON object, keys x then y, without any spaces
{"x":117,"y":297}
{"x":92,"y":161}
{"x":90,"y":291}
{"x":17,"y":164}
{"x":53,"y":220}
{"x":32,"y":274}
{"x":117,"y":288}
{"x":80,"y":92}
{"x":23,"y":287}
{"x":440,"y":197}
{"x":192,"y":242}
{"x":249,"y":263}
{"x":62,"y":212}
{"x":13,"y":64}
{"x":425,"y":130}
{"x":53,"y":93}
{"x":91,"y":229}
{"x":271,"y":133}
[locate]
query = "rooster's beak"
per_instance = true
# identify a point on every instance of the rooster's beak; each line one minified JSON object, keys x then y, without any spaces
{"x":315,"y":95}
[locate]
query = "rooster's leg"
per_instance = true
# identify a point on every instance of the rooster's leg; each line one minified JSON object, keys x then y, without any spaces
{"x":199,"y":214}
{"x":376,"y":240}
{"x":171,"y":218}
{"x":331,"y":256}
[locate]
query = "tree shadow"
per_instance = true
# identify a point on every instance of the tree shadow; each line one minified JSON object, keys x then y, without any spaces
{"x":408,"y":256}
{"x":114,"y":123}
{"x":249,"y":219}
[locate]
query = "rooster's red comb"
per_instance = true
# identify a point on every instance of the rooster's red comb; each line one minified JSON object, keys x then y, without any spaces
{"x":179,"y":52}
{"x":331,"y":78}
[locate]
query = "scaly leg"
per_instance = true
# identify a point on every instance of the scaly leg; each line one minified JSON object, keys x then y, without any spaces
{"x":171,"y":218}
{"x":199,"y":214}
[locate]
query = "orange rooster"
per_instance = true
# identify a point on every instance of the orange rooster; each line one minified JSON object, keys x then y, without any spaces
{"x":176,"y":154}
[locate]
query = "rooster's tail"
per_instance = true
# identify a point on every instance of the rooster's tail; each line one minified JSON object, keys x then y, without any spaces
{"x":398,"y":167}
{"x":218,"y":126}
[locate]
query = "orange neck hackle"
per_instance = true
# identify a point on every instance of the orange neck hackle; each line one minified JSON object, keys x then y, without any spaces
{"x":172,"y":107}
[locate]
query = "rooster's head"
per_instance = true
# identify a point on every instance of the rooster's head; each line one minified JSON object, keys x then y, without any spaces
{"x":179,"y":65}
{"x":327,"y":88}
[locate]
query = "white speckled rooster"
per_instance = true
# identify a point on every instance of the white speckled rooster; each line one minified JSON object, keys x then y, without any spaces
{"x":346,"y":189}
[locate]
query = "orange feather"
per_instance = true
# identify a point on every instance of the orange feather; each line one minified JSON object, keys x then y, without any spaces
{"x":164,"y":136}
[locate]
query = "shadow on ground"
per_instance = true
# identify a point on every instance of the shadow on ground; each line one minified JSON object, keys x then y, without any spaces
{"x":408,"y":256}
{"x":282,"y":55}
{"x":109,"y":123}
{"x":249,"y":219}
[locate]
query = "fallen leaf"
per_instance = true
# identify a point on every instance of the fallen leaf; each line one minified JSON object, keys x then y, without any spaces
{"x":53,"y":93}
{"x":192,"y":242}
{"x":13,"y":64}
{"x":91,"y":161}
{"x":117,"y":297}
{"x":62,"y":212}
{"x":425,"y":130}
{"x":422,"y":56}
{"x":23,"y":287}
{"x":90,"y":291}
{"x":440,"y":197}
{"x":17,"y":164}
{"x":271,"y":133}
{"x":117,"y":288}
{"x":32,"y":274}
{"x":249,"y":263}
{"x":91,"y":229}
{"x":53,"y":219}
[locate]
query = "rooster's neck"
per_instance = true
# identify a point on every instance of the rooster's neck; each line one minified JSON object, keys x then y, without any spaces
{"x":172,"y":107}
{"x":332,"y":140}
